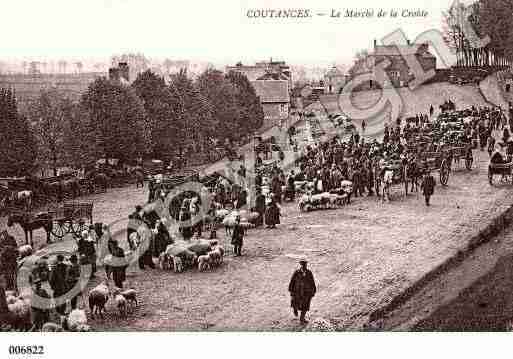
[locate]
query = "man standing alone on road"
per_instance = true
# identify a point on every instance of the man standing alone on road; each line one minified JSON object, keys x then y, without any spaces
{"x":428,"y":186}
{"x":237,"y":237}
{"x":302,"y":289}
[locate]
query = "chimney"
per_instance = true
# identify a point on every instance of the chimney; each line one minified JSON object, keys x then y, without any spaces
{"x":124,"y":71}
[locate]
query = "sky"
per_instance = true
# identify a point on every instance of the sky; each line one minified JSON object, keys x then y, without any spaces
{"x":212,"y":31}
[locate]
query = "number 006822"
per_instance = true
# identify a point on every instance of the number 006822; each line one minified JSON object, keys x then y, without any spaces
{"x":26,"y":350}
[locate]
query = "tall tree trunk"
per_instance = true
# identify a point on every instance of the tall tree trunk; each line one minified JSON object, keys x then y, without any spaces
{"x":4,"y":310}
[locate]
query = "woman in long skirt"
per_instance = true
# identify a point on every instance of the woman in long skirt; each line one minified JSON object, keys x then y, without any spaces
{"x":272,"y":214}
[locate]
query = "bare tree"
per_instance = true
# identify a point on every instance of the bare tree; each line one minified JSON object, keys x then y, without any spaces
{"x":79,"y":65}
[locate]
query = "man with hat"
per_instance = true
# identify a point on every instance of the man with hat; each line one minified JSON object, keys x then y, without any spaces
{"x":39,"y":314}
{"x":58,"y":282}
{"x":302,"y":289}
{"x":72,"y":278}
{"x":87,"y":251}
{"x":428,"y":186}
{"x":134,"y":221}
{"x":237,"y":237}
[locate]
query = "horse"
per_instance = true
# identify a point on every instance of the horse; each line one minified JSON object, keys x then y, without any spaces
{"x":413,"y":173}
{"x":387,"y":180}
{"x":25,"y":197}
{"x":72,"y":186}
{"x":139,"y":179}
{"x":101,"y":180}
{"x":30,"y":224}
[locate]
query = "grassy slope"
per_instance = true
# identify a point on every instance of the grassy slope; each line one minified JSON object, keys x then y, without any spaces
{"x":412,"y":102}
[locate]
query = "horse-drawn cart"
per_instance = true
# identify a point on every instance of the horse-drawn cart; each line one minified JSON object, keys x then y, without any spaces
{"x":503,"y":169}
{"x":437,"y":161}
{"x":71,"y":217}
{"x":463,"y":152}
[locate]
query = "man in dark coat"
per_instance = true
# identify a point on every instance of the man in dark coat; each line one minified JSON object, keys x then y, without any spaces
{"x":39,"y":315}
{"x":72,"y":278}
{"x":58,"y":282}
{"x":260,"y":206}
{"x":134,"y":220}
{"x":272,"y":214}
{"x":87,"y":251}
{"x":119,"y":270}
{"x":8,"y":261}
{"x":302,"y":289}
{"x":237,"y":237}
{"x":428,"y":186}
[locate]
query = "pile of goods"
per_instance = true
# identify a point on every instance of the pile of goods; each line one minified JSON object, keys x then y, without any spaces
{"x":326,"y":200}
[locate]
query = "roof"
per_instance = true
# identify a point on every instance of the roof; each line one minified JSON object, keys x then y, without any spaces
{"x":272,"y":91}
{"x":273,"y":76}
{"x":400,"y":50}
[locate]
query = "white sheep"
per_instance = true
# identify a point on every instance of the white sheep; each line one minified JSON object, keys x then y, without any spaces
{"x":203,"y":263}
{"x":10,"y":299}
{"x":219,"y":249}
{"x":121,"y":304}
{"x":304,"y":200}
{"x":51,"y":327}
{"x":25,"y":251}
{"x":221,"y":213}
{"x":98,"y":297}
{"x":129,"y":294}
{"x":21,"y":312}
{"x":214,"y":258}
{"x":76,"y":321}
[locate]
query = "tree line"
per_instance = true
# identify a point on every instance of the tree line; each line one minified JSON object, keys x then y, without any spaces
{"x":464,"y":25}
{"x":147,"y":119}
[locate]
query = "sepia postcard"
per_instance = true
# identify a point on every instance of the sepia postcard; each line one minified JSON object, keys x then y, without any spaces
{"x":253,"y":166}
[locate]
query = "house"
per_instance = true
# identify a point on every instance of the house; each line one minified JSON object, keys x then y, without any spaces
{"x":398,"y":72}
{"x":276,"y":70}
{"x":334,"y":81}
{"x":275,"y":99}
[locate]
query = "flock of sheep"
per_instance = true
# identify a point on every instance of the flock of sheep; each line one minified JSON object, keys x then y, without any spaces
{"x":205,"y":254}
{"x":325,"y":200}
{"x":20,"y":310}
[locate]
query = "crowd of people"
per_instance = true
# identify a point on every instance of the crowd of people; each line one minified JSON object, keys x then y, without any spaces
{"x":320,"y":167}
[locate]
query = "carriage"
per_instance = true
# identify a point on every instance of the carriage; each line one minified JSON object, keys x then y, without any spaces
{"x":503,"y":169}
{"x":71,"y":217}
{"x":437,"y":161}
{"x":394,"y":172}
{"x":462,"y":151}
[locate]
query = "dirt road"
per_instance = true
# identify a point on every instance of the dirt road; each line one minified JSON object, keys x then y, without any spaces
{"x":361,"y":255}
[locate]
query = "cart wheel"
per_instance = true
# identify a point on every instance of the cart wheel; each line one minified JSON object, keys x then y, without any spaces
{"x":60,"y":229}
{"x":490,"y":176}
{"x":444,"y":173}
{"x":78,"y":227}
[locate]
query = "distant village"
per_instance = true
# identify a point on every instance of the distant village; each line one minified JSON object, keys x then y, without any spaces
{"x":276,"y":82}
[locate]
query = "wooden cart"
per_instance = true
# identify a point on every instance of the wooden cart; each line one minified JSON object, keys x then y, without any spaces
{"x":71,"y":217}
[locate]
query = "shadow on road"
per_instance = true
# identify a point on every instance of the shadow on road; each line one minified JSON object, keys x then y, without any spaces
{"x":487,"y":305}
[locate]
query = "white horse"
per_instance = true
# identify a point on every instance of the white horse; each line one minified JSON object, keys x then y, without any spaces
{"x":388,"y":177}
{"x":24,"y":197}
